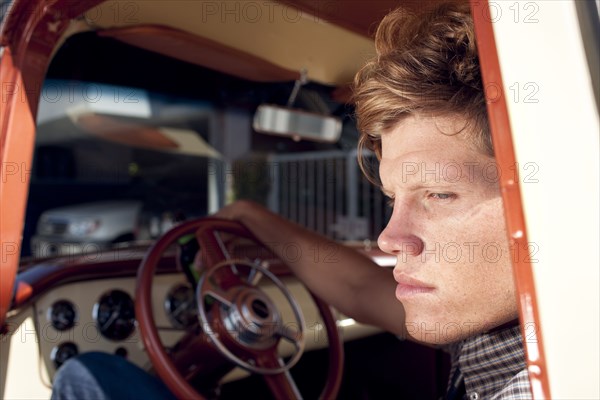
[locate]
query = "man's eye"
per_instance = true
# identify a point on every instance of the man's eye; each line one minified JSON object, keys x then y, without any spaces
{"x":442,"y":196}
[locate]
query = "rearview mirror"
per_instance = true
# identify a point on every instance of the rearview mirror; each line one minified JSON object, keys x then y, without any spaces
{"x":297,"y":124}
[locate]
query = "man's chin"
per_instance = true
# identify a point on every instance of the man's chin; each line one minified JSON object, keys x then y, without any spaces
{"x":442,"y":332}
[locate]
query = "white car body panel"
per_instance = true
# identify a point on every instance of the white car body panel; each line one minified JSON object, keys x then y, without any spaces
{"x":558,"y":136}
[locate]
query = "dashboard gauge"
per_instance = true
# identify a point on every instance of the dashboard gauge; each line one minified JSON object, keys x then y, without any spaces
{"x":62,"y":315}
{"x":63,"y":352}
{"x":180,"y":306}
{"x":115,"y":315}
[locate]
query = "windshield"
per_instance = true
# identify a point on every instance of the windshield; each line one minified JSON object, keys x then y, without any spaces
{"x":124,"y":152}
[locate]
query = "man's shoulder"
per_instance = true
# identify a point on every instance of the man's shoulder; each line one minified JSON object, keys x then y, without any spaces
{"x":517,"y":388}
{"x":493,"y":364}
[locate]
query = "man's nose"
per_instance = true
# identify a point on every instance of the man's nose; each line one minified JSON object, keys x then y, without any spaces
{"x":399,"y":237}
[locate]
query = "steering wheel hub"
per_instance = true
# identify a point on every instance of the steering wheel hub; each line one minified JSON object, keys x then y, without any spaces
{"x":252,"y":319}
{"x":249,"y":316}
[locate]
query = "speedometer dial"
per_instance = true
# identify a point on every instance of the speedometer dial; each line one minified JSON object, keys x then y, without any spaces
{"x":180,"y":306}
{"x":115,"y":315}
{"x":62,"y":315}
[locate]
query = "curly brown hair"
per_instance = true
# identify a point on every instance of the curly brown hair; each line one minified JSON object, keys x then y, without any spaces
{"x":426,"y":63}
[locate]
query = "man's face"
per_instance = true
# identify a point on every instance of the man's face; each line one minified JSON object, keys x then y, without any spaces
{"x":447,"y":230}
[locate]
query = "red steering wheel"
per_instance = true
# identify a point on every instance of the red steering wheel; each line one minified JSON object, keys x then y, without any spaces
{"x":239,"y":324}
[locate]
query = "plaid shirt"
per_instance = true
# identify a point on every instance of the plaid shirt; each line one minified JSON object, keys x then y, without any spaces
{"x":493,"y":365}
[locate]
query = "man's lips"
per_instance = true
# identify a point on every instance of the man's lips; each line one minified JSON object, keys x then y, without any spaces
{"x":408,"y":286}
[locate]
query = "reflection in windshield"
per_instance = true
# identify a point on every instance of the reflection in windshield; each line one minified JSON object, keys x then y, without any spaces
{"x":124,"y":153}
{"x":102,"y":149}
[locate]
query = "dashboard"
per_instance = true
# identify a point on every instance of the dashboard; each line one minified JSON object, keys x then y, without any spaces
{"x":99,"y":315}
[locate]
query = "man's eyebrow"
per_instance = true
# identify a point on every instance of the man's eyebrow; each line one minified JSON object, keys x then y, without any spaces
{"x":391,"y":194}
{"x":420,"y":185}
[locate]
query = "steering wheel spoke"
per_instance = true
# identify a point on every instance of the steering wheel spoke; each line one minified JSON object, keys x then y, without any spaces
{"x":215,"y":292}
{"x":293,"y":336}
{"x":282,"y":385}
{"x":254,"y":277}
{"x":191,"y":356}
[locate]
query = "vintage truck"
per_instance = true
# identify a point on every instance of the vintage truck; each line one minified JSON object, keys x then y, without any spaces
{"x":540,"y":68}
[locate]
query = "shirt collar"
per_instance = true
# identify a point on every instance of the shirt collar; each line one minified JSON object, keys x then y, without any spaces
{"x":489,"y":360}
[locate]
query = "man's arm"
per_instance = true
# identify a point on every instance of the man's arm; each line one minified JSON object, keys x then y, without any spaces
{"x":341,"y":276}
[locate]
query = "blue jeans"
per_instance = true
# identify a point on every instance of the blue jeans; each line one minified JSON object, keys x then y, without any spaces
{"x":103,"y":376}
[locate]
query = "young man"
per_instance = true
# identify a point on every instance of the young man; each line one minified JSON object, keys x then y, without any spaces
{"x":421,"y":109}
